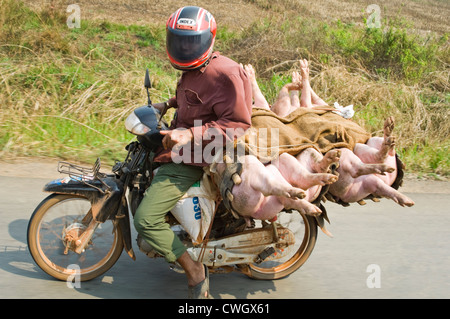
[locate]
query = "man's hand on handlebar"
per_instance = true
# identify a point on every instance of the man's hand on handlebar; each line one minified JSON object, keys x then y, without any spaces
{"x":179,"y":137}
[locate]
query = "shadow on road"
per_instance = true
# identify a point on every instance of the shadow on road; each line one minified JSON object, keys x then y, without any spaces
{"x":140,"y":279}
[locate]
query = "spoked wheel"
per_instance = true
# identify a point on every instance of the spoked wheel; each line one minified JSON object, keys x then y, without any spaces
{"x":305,"y":230}
{"x":53,"y":230}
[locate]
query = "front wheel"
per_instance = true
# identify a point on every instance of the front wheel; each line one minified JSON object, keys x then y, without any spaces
{"x":305,"y":230}
{"x":59,"y":218}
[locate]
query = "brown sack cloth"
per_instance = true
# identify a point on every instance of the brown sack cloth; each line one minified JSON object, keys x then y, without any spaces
{"x":319,"y":128}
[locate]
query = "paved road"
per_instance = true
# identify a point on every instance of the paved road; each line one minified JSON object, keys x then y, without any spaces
{"x":406,"y":248}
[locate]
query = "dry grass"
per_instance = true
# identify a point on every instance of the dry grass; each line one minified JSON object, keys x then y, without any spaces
{"x":75,"y":88}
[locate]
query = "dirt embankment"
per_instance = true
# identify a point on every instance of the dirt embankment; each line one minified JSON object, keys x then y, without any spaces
{"x":425,"y":15}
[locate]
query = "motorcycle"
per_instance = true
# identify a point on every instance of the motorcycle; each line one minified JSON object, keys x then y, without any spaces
{"x":85,"y":221}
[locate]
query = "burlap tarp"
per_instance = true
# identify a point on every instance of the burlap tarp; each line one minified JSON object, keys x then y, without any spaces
{"x":319,"y":128}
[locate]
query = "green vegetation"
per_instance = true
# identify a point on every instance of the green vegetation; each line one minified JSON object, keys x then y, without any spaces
{"x":66,"y":92}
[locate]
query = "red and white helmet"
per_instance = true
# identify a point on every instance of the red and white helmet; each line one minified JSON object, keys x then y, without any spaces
{"x":191,"y":32}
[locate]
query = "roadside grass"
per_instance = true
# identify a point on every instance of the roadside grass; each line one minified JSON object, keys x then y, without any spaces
{"x":66,"y":92}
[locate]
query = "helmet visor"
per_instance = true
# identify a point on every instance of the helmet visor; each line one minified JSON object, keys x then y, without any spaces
{"x":188,"y":46}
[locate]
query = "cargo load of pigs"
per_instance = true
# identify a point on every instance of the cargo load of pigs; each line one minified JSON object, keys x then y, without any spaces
{"x":300,"y":152}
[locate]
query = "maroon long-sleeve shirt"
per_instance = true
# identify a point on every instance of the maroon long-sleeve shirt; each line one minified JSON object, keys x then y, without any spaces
{"x":209,"y":101}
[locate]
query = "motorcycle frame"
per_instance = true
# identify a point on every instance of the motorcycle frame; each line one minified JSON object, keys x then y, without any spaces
{"x":106,"y":193}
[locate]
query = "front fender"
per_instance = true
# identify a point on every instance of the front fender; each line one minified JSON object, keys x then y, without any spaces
{"x":105,"y":195}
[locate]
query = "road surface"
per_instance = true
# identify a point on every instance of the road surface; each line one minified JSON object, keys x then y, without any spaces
{"x":379,"y":250}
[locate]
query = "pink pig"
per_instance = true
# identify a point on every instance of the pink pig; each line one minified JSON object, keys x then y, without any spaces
{"x":294,"y":182}
{"x":286,"y":183}
{"x":369,"y":170}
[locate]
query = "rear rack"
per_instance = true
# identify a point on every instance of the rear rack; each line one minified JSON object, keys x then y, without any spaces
{"x":84,"y":174}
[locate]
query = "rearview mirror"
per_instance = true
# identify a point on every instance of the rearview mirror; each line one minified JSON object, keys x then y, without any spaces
{"x":148,"y":85}
{"x":147,"y":82}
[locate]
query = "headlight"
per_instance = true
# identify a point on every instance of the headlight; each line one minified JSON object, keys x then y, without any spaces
{"x":134,"y":125}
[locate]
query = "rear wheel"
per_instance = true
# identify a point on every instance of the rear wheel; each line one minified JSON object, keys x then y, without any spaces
{"x":305,"y":230}
{"x":57,"y":220}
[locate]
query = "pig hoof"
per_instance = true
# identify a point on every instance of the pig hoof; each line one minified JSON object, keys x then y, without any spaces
{"x":390,"y":170}
{"x":297,"y":80}
{"x":404,"y":201}
{"x":390,"y":144}
{"x":323,"y":179}
{"x":385,"y":169}
{"x":389,"y":124}
{"x":387,"y":148}
{"x":367,"y":169}
{"x":400,"y":199}
{"x":312,"y":210}
{"x":294,"y":86}
{"x":330,"y":158}
{"x":304,"y":69}
{"x":296,"y":193}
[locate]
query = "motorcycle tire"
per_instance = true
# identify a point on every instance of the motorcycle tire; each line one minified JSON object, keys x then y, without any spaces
{"x":51,"y":219}
{"x":294,"y":262}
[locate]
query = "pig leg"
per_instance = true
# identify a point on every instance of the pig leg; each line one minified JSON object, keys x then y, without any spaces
{"x":282,"y":105}
{"x":308,"y":169}
{"x":316,"y":100}
{"x":319,"y":162}
{"x":377,"y":149}
{"x":309,"y":98}
{"x":300,"y":173}
{"x":363,"y":186}
{"x":352,"y":165}
{"x":380,"y":150}
{"x":294,"y":94}
{"x":305,"y":99}
{"x":270,"y":206}
{"x":258,"y":98}
{"x":302,"y":205}
{"x":267,"y":179}
{"x":260,"y":190}
{"x":357,"y":181}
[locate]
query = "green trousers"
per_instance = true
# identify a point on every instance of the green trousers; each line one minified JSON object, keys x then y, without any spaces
{"x":169,"y":184}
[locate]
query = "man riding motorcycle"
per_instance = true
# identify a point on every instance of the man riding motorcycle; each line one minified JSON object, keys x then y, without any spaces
{"x":213,"y":91}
